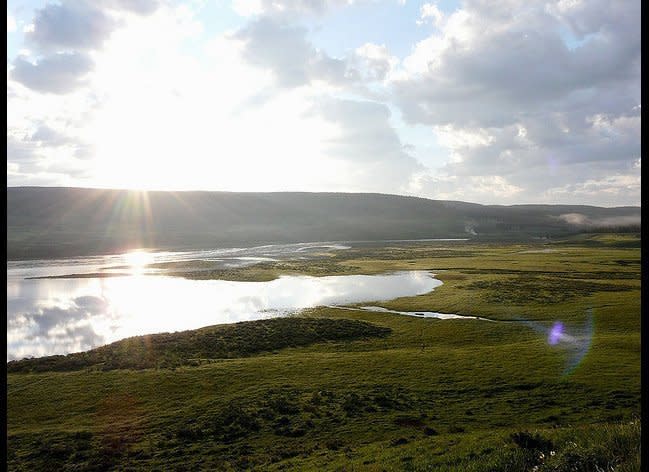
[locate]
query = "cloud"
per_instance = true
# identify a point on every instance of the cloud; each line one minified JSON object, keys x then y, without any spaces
{"x":70,"y":26}
{"x":80,"y":25}
{"x":21,"y":153}
{"x":374,"y":156}
{"x":374,"y":62}
{"x":503,"y":102}
{"x":622,"y":188}
{"x":140,"y":7}
{"x":266,"y":42}
{"x":60,"y":73}
{"x":478,"y":188}
{"x":47,"y":136}
{"x":513,"y":68}
{"x":45,"y":156}
{"x":499,"y":85}
{"x":511,"y":94}
{"x":430,"y":13}
{"x":63,"y":36}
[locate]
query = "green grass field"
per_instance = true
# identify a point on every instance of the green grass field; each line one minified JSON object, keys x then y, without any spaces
{"x":447,"y":395}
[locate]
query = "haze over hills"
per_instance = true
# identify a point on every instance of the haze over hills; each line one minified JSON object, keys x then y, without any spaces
{"x":61,"y":222}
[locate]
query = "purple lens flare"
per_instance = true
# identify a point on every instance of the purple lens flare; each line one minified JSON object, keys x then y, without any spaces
{"x":573,"y":341}
{"x":556,"y":333}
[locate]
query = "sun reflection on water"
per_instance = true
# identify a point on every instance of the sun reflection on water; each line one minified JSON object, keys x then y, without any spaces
{"x":58,"y":316}
{"x":138,"y":260}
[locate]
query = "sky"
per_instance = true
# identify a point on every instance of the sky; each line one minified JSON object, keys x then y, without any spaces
{"x":493,"y":102}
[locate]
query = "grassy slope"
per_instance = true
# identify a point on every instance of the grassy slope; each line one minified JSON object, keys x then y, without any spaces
{"x":196,"y":346}
{"x":383,"y":403}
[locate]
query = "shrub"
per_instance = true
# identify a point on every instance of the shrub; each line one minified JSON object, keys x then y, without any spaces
{"x":526,"y":440}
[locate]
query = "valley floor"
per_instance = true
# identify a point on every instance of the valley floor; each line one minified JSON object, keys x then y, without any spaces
{"x":429,"y":394}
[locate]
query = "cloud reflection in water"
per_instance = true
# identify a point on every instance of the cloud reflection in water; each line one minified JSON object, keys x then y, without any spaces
{"x":58,"y":316}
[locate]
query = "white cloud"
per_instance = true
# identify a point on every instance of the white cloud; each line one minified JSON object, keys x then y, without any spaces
{"x":373,"y":61}
{"x":179,"y":122}
{"x":507,"y":96}
{"x":430,"y":13}
{"x":266,"y":42}
{"x":197,"y":121}
{"x":125,"y":93}
{"x":602,"y":190}
{"x":58,"y":73}
{"x":81,"y":24}
{"x":248,"y":7}
{"x":70,"y":26}
{"x":488,"y":189}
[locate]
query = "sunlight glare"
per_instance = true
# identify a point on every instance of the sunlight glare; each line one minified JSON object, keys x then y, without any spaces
{"x":138,"y":260}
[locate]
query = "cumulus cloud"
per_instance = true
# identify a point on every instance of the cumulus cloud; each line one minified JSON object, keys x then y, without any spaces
{"x":373,"y":62}
{"x":80,"y":24}
{"x":60,"y":73}
{"x":375,"y":157}
{"x":140,"y":7}
{"x":21,"y":153}
{"x":70,"y":26}
{"x":266,"y":42}
{"x":473,"y":188}
{"x":45,"y":135}
{"x":500,"y":86}
{"x":63,"y":35}
{"x":430,"y":13}
{"x":45,"y":156}
{"x":623,"y":188}
{"x":521,"y":102}
{"x":510,"y":92}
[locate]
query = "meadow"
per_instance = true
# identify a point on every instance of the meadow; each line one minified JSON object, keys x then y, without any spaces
{"x":333,"y":389}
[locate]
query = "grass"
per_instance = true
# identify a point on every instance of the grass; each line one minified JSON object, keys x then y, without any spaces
{"x":447,"y":395}
{"x":193,"y":347}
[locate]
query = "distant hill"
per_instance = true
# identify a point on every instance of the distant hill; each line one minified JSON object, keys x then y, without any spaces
{"x":47,"y":222}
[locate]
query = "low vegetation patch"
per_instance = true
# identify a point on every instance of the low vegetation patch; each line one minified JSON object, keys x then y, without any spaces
{"x":525,"y":289}
{"x":214,"y":342}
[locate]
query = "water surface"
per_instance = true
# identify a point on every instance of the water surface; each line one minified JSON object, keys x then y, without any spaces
{"x":59,"y":316}
{"x":418,"y":314}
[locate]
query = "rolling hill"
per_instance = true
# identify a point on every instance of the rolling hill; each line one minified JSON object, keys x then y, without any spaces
{"x":47,"y":222}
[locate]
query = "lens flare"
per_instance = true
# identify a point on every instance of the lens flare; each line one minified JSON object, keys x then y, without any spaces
{"x":574,"y":341}
{"x":555,"y":333}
